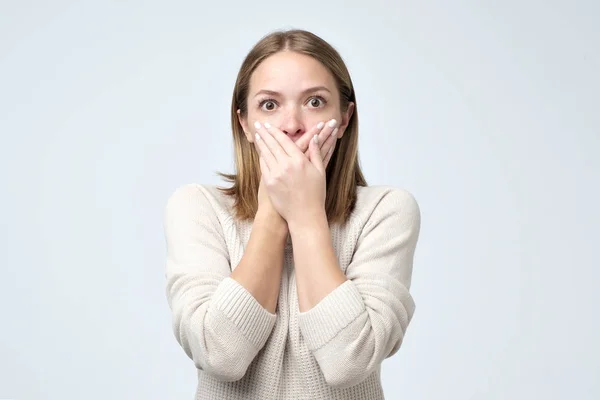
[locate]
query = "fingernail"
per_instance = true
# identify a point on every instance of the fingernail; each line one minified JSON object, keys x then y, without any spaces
{"x":316,"y":139}
{"x":320,"y":125}
{"x":332,"y":123}
{"x":335,"y":131}
{"x":267,"y":125}
{"x":257,"y":137}
{"x":257,"y":125}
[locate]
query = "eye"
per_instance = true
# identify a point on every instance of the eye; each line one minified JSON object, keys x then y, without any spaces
{"x":317,"y":102}
{"x":268,"y":104}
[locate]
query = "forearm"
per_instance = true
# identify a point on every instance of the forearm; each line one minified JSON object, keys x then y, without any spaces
{"x":364,"y":320}
{"x":260,"y":269}
{"x":317,"y":269}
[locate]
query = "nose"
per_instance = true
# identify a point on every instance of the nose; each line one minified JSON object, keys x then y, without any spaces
{"x":292,"y":125}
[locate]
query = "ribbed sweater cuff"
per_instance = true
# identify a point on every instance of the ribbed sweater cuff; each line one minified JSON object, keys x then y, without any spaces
{"x":331,"y":315}
{"x":241,"y":308}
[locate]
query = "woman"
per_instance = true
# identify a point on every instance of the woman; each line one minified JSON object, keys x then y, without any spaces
{"x":293,"y":283}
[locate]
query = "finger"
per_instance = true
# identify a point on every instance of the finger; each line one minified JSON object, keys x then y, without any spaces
{"x":329,"y":143}
{"x":270,"y":143}
{"x":326,"y":133}
{"x":264,"y":168}
{"x":315,"y":154}
{"x":303,"y":142}
{"x":283,"y":141}
{"x":264,"y":152}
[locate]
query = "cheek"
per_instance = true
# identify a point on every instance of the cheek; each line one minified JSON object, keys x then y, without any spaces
{"x":312,"y":119}
{"x":251,"y":118}
{"x":262,"y":117}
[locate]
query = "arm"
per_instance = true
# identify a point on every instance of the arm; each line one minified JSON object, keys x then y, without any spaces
{"x":351,"y":325}
{"x":261,"y":266}
{"x":220,"y":319}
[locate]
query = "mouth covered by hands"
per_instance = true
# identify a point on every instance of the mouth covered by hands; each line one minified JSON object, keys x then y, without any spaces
{"x":294,"y":172}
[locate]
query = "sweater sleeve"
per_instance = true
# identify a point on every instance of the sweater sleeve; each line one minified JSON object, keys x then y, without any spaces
{"x":217,"y":322}
{"x":364,"y":320}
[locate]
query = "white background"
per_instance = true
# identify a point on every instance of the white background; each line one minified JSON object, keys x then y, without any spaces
{"x":488,"y":112}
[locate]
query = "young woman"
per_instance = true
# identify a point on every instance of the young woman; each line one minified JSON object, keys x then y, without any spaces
{"x":292,"y":283}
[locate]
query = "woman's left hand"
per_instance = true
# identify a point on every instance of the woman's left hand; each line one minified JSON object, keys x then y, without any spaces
{"x":294,"y":180}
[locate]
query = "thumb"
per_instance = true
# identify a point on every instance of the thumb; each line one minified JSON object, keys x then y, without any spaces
{"x":315,"y":154}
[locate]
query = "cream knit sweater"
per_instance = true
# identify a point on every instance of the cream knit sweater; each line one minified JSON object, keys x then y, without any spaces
{"x":332,"y":351}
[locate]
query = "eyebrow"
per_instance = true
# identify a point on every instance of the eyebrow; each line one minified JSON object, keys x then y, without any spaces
{"x":304,"y":92}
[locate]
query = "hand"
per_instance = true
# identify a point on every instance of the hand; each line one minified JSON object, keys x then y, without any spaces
{"x":294,"y":181}
{"x":327,"y":140}
{"x":265,"y":207}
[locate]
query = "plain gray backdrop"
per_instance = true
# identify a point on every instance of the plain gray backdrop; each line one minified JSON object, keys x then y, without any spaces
{"x":487,"y":111}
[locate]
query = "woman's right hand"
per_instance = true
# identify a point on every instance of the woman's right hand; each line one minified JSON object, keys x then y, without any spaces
{"x":266,"y":209}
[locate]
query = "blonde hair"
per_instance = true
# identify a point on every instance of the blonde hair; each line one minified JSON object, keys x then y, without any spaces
{"x":344,"y":174}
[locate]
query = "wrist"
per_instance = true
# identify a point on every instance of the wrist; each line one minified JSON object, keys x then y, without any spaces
{"x":308,"y":223}
{"x":271,"y":219}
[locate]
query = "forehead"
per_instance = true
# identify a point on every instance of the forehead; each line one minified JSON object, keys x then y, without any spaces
{"x":288,"y":70}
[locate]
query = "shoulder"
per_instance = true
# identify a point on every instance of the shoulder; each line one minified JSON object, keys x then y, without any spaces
{"x":192,"y":198}
{"x":376,"y":202}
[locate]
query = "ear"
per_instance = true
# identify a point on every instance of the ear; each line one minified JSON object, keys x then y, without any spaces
{"x":345,"y":119}
{"x":244,"y":125}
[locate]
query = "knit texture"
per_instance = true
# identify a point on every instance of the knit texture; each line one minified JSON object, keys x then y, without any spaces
{"x":332,"y":351}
